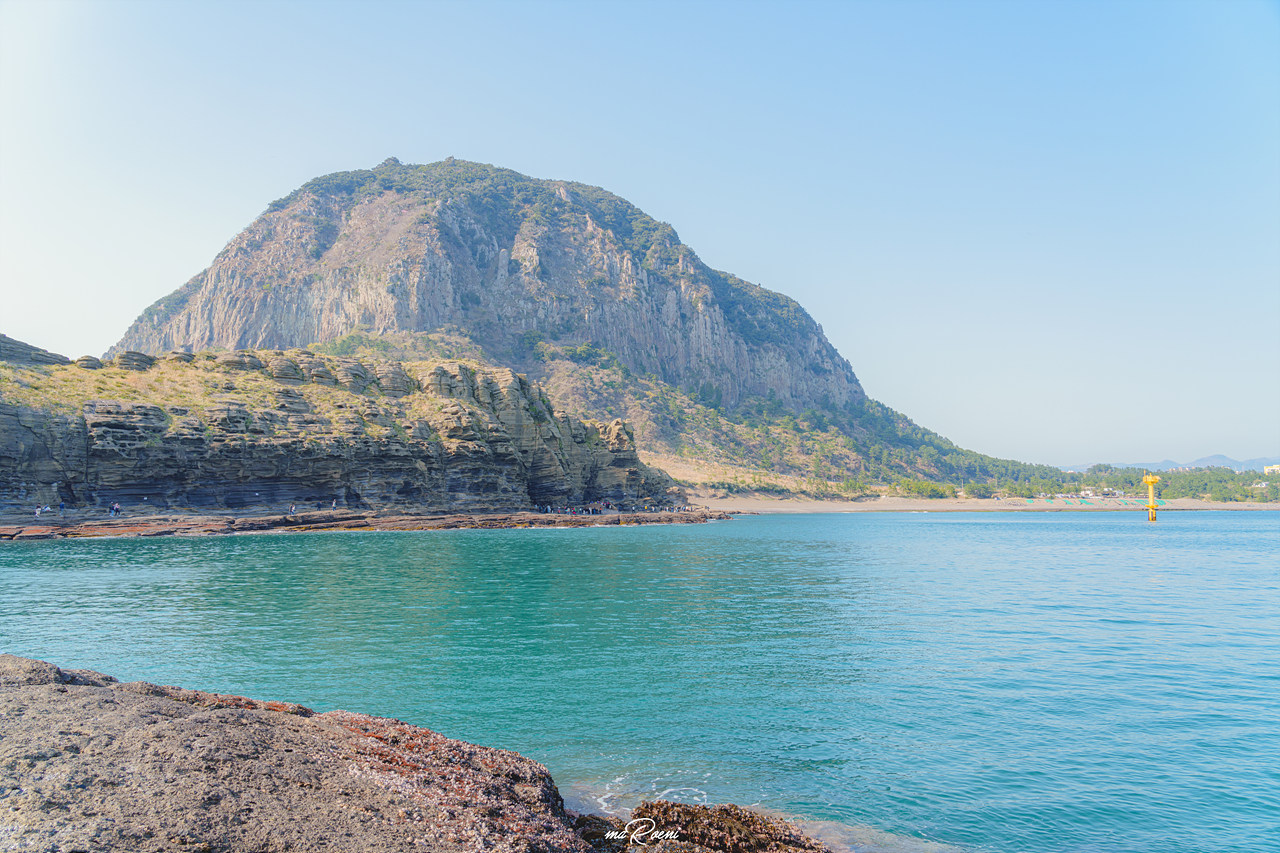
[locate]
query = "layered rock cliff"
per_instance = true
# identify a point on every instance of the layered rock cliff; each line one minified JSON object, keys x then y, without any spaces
{"x":18,"y":352}
{"x":270,"y":428}
{"x":508,"y":260}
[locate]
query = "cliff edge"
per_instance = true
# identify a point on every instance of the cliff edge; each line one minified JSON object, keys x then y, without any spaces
{"x":268,"y":429}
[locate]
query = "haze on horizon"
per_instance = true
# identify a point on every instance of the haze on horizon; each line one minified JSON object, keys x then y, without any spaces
{"x":1049,"y":232}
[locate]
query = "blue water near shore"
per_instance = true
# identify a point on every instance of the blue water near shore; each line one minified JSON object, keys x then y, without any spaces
{"x":973,"y":682}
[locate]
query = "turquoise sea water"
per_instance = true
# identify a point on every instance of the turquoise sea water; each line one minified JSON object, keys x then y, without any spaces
{"x":972,"y":682}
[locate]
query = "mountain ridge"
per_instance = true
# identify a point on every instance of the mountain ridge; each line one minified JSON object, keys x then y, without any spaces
{"x":1216,"y":460}
{"x":512,"y":261}
{"x":579,"y":289}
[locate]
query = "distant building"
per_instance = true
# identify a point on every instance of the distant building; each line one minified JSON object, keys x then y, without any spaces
{"x":1271,"y":469}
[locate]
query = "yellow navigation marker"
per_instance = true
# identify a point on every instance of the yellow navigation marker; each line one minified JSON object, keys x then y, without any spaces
{"x":1151,"y":480}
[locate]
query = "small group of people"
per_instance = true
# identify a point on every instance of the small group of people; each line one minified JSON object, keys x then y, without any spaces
{"x":62,"y":505}
{"x":602,"y":506}
{"x":293,"y":508}
{"x":575,"y":510}
{"x":114,"y":510}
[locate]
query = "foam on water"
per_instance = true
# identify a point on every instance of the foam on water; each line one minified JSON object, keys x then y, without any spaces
{"x":618,"y":796}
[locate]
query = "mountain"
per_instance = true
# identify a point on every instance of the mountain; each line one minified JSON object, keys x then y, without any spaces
{"x":508,"y":260}
{"x":1215,"y":461}
{"x":723,"y":380}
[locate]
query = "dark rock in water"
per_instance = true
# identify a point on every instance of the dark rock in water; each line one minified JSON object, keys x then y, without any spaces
{"x":89,"y":362}
{"x":19,"y":353}
{"x":130,"y":360}
{"x":724,"y":829}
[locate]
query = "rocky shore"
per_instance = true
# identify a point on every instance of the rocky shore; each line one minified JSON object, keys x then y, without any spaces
{"x":88,"y":763}
{"x":79,"y":524}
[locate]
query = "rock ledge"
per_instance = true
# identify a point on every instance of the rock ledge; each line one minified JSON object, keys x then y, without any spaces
{"x":88,"y":763}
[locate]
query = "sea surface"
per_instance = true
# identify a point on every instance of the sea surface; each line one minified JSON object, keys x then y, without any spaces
{"x":908,"y":682}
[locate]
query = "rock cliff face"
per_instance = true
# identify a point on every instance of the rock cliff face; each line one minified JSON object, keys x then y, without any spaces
{"x":250,"y":429}
{"x":510,"y":261}
{"x":21,"y":353}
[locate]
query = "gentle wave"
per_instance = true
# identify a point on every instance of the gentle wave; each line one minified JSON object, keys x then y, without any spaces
{"x":1057,"y":684}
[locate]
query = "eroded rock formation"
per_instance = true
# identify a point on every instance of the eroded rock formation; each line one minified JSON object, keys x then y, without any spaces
{"x":269,"y":428}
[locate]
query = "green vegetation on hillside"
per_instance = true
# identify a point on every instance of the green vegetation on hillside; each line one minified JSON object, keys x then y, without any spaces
{"x":1218,"y":484}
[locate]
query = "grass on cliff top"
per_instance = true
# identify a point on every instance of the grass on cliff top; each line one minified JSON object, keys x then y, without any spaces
{"x":203,"y":390}
{"x":65,"y":389}
{"x":369,"y":347}
{"x":200,"y":388}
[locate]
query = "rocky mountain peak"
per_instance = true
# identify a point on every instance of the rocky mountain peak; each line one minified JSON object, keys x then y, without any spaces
{"x":507,"y":260}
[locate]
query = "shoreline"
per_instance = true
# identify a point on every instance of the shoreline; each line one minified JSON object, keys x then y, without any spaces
{"x":155,"y":767}
{"x":212,"y":523}
{"x":763,"y":504}
{"x":94,"y":523}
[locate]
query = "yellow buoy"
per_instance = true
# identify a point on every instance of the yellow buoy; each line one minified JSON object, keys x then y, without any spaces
{"x":1151,"y":480}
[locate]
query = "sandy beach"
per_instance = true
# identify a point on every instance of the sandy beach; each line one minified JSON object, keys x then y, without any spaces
{"x":764,"y":504}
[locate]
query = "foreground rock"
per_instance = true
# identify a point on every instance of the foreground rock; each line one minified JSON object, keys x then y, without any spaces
{"x":88,"y":763}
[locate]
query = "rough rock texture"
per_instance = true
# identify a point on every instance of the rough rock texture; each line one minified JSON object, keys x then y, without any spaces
{"x":508,"y":260}
{"x":20,"y":353}
{"x":73,"y":525}
{"x":130,"y":360}
{"x":88,"y":763}
{"x":266,"y":429}
{"x":727,"y":828}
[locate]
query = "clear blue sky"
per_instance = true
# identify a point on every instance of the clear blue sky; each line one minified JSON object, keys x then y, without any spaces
{"x":1047,"y":230}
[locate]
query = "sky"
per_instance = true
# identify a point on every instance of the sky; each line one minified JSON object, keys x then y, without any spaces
{"x":1048,"y":230}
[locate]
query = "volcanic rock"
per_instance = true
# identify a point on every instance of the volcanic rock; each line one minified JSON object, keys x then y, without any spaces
{"x":89,"y":763}
{"x":19,"y":353}
{"x":232,"y":435}
{"x":509,"y":261}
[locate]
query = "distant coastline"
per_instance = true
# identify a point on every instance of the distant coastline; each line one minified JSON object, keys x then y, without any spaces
{"x":79,"y":524}
{"x":767,"y":504}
